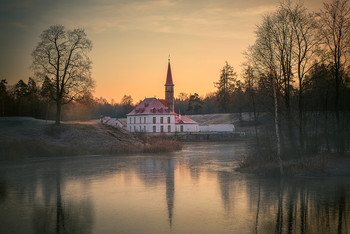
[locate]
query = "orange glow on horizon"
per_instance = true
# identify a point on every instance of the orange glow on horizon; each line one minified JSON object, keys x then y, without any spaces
{"x":132,"y":40}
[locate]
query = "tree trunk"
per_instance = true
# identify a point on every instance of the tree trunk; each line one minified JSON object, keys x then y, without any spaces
{"x":255,"y":120}
{"x":301,"y":122}
{"x":340,"y":133}
{"x":58,"y":111}
{"x":3,"y":106}
{"x":277,"y":130}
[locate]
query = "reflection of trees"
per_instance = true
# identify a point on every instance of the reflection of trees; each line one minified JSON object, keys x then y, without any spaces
{"x":293,"y":205}
{"x":279,"y":221}
{"x":34,"y":198}
{"x":60,"y":216}
{"x":226,"y":185}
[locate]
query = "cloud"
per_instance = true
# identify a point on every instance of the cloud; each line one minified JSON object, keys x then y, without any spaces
{"x":162,"y":16}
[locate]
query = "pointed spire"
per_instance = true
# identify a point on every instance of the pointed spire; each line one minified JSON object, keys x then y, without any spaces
{"x":169,"y":78}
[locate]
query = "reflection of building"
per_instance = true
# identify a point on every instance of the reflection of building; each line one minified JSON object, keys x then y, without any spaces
{"x":162,"y":170}
{"x":153,"y":115}
{"x":170,"y":188}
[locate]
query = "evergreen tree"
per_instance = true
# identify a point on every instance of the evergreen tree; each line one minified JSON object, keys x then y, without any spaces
{"x":225,"y":86}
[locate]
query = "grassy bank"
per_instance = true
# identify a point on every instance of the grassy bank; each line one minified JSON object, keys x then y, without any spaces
{"x":158,"y":144}
{"x":315,"y":165}
{"x":27,"y":137}
{"x":262,"y":161}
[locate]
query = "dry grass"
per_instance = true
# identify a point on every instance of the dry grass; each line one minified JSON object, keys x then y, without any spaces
{"x":316,"y":165}
{"x":65,"y":139}
{"x":261,"y":160}
{"x":157,"y":145}
{"x":75,"y":138}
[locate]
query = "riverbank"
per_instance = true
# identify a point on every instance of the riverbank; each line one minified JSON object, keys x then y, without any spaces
{"x":323,"y":164}
{"x":27,"y":137}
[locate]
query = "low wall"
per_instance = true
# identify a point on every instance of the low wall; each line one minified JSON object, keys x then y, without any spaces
{"x":217,"y":128}
{"x":203,"y":136}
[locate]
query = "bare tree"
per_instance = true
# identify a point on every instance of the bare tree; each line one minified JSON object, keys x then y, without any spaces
{"x":250,"y":83}
{"x":304,"y":51}
{"x":62,"y":57}
{"x":264,"y":55}
{"x":334,"y":28}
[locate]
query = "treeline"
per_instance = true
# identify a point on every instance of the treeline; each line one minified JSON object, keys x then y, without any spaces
{"x":30,"y":99}
{"x":298,"y":68}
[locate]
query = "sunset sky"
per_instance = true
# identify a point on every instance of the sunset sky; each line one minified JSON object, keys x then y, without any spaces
{"x":133,"y":38}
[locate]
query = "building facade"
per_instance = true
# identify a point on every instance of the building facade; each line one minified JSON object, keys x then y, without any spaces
{"x":151,"y":115}
{"x":157,"y":116}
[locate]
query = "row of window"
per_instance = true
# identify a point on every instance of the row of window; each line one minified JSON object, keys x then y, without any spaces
{"x":134,"y":119}
{"x":140,"y":129}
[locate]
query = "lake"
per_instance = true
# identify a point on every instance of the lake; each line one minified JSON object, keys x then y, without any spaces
{"x":191,"y":191}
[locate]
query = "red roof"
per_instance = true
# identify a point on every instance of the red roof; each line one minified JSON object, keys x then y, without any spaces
{"x":169,"y":78}
{"x":150,"y":106}
{"x":183,"y":120}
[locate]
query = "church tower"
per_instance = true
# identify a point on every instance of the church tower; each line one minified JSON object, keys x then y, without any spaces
{"x":169,"y":89}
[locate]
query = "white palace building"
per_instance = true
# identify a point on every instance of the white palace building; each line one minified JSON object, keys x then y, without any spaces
{"x":154,"y":115}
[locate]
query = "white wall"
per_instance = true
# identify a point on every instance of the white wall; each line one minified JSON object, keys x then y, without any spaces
{"x":217,"y":128}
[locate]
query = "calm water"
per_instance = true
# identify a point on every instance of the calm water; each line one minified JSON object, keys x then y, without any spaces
{"x":192,"y":191}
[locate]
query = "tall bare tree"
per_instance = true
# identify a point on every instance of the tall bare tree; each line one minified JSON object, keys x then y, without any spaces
{"x":62,"y":57}
{"x":250,"y":83}
{"x":304,"y":51}
{"x":265,"y":57}
{"x":334,"y":28}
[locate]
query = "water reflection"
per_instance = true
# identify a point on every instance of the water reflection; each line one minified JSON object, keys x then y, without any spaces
{"x":192,"y":191}
{"x":294,"y":205}
{"x":60,"y":215}
{"x":154,"y":170}
{"x":36,"y":201}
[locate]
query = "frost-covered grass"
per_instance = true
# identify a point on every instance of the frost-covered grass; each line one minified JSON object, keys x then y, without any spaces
{"x":28,"y":138}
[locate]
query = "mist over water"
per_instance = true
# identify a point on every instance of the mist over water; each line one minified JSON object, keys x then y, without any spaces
{"x":191,"y":191}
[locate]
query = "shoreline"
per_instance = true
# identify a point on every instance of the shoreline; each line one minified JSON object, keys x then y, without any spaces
{"x":23,"y":137}
{"x":318,"y":165}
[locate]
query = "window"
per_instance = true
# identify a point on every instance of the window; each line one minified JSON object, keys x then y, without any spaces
{"x":135,"y":120}
{"x":130,"y":128}
{"x":130,"y":120}
{"x":168,"y":120}
{"x":162,"y":128}
{"x":140,"y":128}
{"x":169,"y":128}
{"x":154,"y":120}
{"x":140,"y":119}
{"x":134,"y":128}
{"x":181,"y":128}
{"x":161,"y":120}
{"x":154,"y":129}
{"x":144,"y":120}
{"x":144,"y":128}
